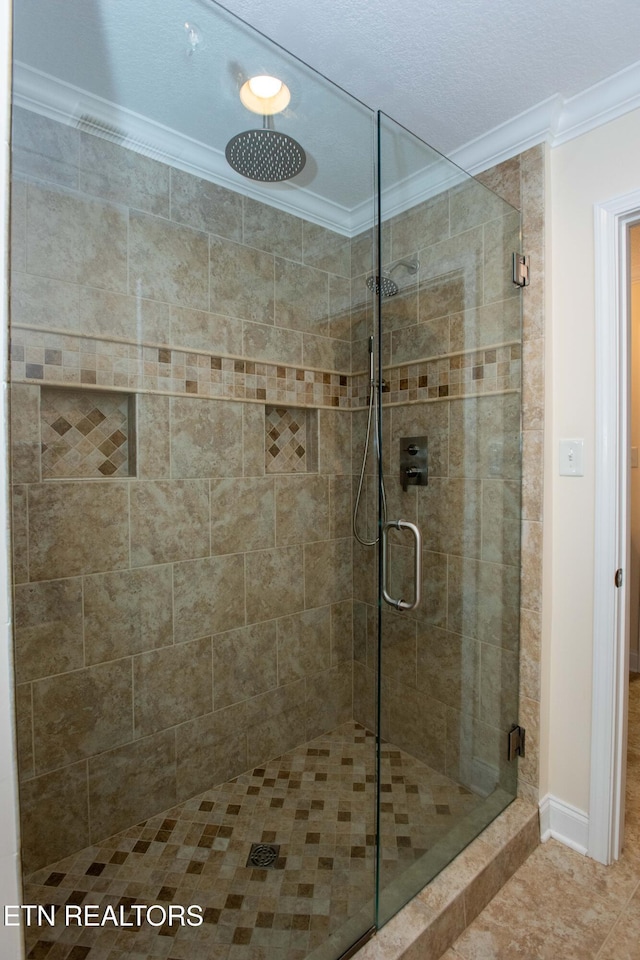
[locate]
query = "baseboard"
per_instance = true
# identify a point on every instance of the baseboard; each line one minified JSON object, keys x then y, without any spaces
{"x":634,"y":661}
{"x":565,"y":823}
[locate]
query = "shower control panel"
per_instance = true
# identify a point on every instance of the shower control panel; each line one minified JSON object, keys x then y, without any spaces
{"x":413,"y":462}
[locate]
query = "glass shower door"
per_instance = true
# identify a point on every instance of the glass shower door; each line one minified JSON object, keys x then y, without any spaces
{"x":449,"y":366}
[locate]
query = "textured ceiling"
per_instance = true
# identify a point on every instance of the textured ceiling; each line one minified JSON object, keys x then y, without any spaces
{"x":450,"y":72}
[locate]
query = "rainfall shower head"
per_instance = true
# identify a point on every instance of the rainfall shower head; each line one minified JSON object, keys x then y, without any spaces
{"x":382,"y":284}
{"x":265,"y":155}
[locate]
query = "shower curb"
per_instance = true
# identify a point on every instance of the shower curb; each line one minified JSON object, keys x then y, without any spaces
{"x":430,"y":923}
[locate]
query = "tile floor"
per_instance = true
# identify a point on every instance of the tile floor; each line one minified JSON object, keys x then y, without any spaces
{"x":560,"y":904}
{"x":316,"y":802}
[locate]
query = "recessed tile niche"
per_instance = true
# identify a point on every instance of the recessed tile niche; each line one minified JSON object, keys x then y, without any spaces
{"x":291,"y":440}
{"x":87,"y":433}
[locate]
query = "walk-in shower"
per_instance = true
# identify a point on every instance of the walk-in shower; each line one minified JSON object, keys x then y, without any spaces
{"x":220,"y":703}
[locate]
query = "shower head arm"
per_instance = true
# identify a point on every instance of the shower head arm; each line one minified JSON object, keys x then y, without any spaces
{"x":411,"y":266}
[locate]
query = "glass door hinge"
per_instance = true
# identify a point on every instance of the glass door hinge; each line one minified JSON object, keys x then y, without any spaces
{"x":520,"y":270}
{"x":515,"y":739}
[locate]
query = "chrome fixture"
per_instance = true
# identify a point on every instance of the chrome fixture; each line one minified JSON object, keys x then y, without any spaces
{"x":417,"y":565}
{"x":385,"y":284}
{"x":520,"y":270}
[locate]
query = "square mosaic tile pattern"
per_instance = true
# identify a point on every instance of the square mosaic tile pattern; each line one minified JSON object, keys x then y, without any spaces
{"x":64,"y":359}
{"x":50,"y":358}
{"x":85,"y":434}
{"x":316,"y":802}
{"x":289,"y":440}
{"x":494,"y":370}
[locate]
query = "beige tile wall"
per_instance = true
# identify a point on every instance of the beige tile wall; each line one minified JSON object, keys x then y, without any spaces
{"x":186,"y":570}
{"x":522,"y":182}
{"x":143,"y":606}
{"x":457,"y":663}
{"x":177,"y":626}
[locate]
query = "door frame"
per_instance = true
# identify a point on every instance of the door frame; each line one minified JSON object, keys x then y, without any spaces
{"x":611,"y":546}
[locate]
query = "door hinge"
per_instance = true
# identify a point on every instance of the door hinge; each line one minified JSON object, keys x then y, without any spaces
{"x":515,"y":740}
{"x":520,"y":270}
{"x":618,"y":577}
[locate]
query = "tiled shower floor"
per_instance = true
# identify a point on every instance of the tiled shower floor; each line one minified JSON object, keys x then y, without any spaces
{"x":316,"y":802}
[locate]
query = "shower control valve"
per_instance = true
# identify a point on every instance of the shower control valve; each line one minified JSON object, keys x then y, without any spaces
{"x":413,"y":462}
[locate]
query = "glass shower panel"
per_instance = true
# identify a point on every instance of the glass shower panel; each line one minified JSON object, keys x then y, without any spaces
{"x":184,"y":339}
{"x":450,"y":348}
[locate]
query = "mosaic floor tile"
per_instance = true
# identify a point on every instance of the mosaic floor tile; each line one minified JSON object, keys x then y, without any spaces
{"x":316,"y":803}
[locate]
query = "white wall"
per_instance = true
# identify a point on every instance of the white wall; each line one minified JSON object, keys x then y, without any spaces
{"x":594,"y":168}
{"x":10,"y":941}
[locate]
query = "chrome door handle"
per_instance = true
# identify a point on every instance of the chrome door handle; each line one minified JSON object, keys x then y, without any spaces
{"x":417,"y":566}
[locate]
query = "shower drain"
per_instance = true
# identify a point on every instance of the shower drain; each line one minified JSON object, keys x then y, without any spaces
{"x":263,"y":855}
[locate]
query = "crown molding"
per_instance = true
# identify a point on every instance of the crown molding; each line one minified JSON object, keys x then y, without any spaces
{"x":48,"y":96}
{"x":53,"y":98}
{"x":507,"y":140}
{"x":601,"y":103}
{"x":553,"y":121}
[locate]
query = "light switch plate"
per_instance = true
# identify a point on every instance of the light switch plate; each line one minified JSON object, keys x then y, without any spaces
{"x":572,"y":458}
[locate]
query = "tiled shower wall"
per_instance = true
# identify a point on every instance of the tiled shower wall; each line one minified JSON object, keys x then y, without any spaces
{"x":178,"y":626}
{"x":189,"y":579}
{"x":450,"y":669}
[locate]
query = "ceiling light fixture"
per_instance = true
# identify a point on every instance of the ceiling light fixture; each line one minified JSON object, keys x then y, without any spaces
{"x":265,"y":95}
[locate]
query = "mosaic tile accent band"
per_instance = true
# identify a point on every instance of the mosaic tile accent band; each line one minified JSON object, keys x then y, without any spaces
{"x":85,"y":434}
{"x":316,"y":802}
{"x":494,"y":370}
{"x":65,"y":360}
